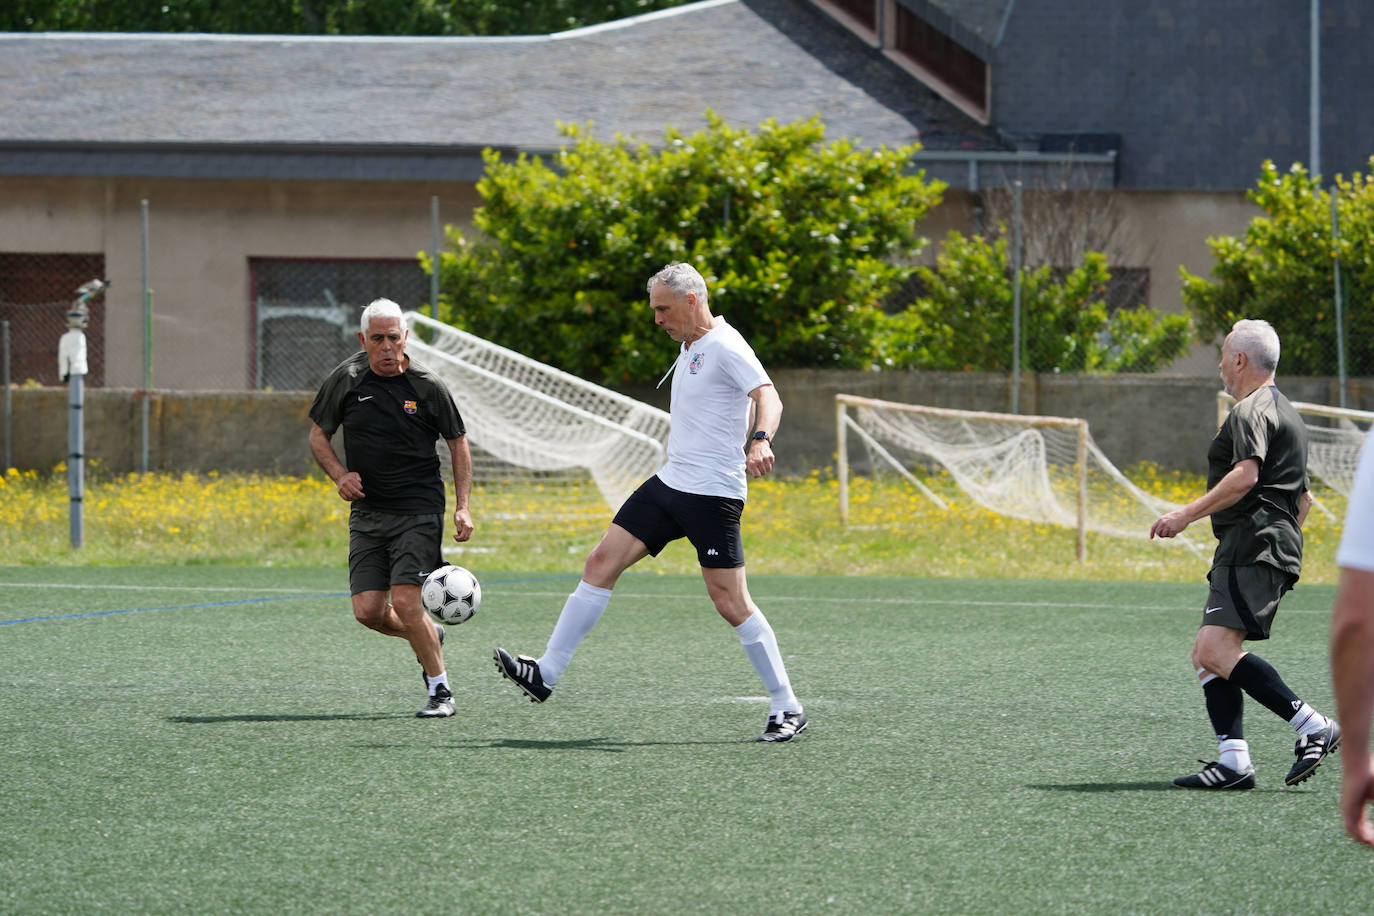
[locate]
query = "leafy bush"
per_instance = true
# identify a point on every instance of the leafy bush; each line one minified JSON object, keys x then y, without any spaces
{"x":963,"y":318}
{"x":799,"y":240}
{"x":1283,"y":271}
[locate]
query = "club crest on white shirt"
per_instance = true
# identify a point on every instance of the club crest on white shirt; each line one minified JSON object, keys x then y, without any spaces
{"x":698,"y":359}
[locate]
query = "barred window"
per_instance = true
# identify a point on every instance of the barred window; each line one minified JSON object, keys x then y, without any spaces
{"x":306,"y":312}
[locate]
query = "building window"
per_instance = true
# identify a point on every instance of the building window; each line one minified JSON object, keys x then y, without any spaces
{"x":863,"y":12}
{"x":36,"y":292}
{"x":306,"y":312}
{"x":953,"y":70}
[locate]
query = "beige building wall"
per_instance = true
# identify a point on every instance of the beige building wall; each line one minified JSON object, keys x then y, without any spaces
{"x":201,"y":235}
{"x":1170,"y":230}
{"x":1159,"y":230}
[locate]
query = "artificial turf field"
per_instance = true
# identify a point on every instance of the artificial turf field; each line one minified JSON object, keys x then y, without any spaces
{"x":228,"y":740}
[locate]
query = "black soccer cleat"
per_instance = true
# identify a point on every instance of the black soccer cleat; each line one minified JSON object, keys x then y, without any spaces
{"x":440,"y":704}
{"x":783,"y":726}
{"x":425,"y":677}
{"x":1217,"y":776}
{"x":524,"y":671}
{"x":1311,"y":750}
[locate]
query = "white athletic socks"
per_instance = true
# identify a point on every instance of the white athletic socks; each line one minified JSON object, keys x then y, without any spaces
{"x":761,"y":645}
{"x":1307,"y":721}
{"x":580,"y":613}
{"x":435,"y":681}
{"x":1235,"y":754}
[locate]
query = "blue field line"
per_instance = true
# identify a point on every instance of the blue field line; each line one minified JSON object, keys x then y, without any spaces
{"x":209,"y":604}
{"x":174,"y":607}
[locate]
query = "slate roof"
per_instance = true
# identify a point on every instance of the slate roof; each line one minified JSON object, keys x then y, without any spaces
{"x":237,"y":106}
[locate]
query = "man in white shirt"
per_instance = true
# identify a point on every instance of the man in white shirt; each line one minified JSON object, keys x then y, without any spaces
{"x":699,"y":494}
{"x":1352,"y":649}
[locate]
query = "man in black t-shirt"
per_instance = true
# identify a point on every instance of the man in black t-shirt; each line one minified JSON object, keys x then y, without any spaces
{"x":392,"y":411}
{"x":1257,"y":498}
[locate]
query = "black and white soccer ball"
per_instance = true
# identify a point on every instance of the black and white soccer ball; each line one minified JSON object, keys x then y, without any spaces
{"x":451,"y":594}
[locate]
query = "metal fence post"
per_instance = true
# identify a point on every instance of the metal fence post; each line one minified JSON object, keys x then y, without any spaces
{"x":147,"y":338}
{"x":1016,"y":299}
{"x":9,"y":405}
{"x":1340,"y":312}
{"x":434,"y":263}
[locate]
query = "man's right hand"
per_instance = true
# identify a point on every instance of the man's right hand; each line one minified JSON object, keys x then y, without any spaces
{"x":351,"y":486}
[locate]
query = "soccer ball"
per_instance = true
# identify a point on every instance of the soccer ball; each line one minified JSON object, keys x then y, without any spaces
{"x":451,"y":594}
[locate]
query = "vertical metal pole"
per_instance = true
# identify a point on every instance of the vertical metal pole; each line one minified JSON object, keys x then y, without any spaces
{"x":1314,"y":105}
{"x":1016,"y":299}
{"x":76,"y":455}
{"x":1082,"y":469}
{"x":434,"y":256}
{"x":147,"y":338}
{"x":1336,"y":277}
{"x":9,"y":407}
{"x":842,"y":459}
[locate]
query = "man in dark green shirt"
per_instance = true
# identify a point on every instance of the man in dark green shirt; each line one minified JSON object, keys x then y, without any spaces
{"x":392,"y":412}
{"x":1257,"y":498}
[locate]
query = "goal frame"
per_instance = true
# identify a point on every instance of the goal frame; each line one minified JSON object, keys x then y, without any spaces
{"x":844,"y":424}
{"x":649,"y":441}
{"x":1224,"y":402}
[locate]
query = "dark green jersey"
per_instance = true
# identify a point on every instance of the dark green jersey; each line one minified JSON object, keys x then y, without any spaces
{"x":390,"y":426}
{"x":1263,"y":526}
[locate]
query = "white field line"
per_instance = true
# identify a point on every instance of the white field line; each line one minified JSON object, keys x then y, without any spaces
{"x":622,"y":595}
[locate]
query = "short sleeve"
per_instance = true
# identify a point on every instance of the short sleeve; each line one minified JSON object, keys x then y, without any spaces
{"x":327,"y":409}
{"x":1357,"y":538}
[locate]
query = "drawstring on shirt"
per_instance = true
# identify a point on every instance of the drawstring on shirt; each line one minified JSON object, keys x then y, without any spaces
{"x":669,"y":372}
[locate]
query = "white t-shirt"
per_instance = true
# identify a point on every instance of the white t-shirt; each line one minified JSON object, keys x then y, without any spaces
{"x":710,"y":405}
{"x":1357,"y":540}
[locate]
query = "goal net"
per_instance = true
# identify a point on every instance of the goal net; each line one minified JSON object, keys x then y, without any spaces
{"x":1335,"y":436}
{"x":528,"y":422}
{"x":1038,"y":469}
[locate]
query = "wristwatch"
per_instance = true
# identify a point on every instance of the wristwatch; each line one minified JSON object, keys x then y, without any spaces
{"x":760,"y":434}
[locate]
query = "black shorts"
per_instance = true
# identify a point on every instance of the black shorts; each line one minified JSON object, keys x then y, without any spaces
{"x":1245,"y":597}
{"x":386,"y":550}
{"x":656,"y":514}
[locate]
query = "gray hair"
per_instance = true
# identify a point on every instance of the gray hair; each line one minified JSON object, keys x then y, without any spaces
{"x":1258,"y":340}
{"x":381,"y":308}
{"x":682,"y":279}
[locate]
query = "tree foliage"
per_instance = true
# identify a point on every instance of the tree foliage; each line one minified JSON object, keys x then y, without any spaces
{"x":1283,"y":270}
{"x":799,"y":239}
{"x":963,"y":320}
{"x":320,"y":17}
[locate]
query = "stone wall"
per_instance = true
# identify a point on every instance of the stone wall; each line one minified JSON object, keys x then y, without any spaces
{"x":1167,"y":420}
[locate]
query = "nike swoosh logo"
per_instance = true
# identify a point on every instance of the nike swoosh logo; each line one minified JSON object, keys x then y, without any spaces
{"x":1210,"y":610}
{"x":368,"y":398}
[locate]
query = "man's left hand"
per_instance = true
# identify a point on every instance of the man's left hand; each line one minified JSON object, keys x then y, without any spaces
{"x":759,"y":460}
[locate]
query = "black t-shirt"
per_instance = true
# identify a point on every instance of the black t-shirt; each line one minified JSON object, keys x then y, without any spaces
{"x":1262,"y":527}
{"x":390,"y":426}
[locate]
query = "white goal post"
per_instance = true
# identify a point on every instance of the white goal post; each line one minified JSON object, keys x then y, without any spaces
{"x":1040,"y":469}
{"x":533,"y":416}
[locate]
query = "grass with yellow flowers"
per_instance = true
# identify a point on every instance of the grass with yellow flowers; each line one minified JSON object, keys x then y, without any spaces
{"x":791,"y":526}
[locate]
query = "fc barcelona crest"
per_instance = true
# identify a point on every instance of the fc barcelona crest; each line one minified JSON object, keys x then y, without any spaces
{"x":408,"y":406}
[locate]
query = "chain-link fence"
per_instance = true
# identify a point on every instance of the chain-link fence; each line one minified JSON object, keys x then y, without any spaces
{"x":202,"y":321}
{"x":303,"y":319}
{"x":36,"y":292}
{"x":307,"y":313}
{"x":238,"y":322}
